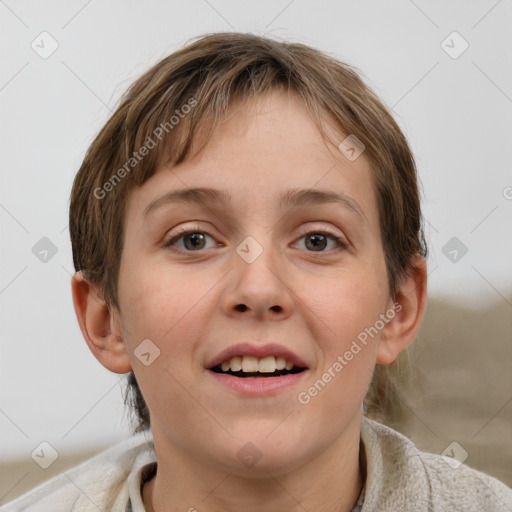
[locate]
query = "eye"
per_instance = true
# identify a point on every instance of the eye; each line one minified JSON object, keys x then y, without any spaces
{"x":192,"y":240}
{"x":317,"y":241}
{"x":195,"y":240}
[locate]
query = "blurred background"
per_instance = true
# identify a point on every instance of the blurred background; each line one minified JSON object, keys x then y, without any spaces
{"x":445,"y":71}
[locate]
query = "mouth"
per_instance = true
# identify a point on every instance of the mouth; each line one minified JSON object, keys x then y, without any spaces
{"x":250,"y":369}
{"x":256,"y":368}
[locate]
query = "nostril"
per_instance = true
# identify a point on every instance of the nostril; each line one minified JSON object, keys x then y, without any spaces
{"x":241,"y":307}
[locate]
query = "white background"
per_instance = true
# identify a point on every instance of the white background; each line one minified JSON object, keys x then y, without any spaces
{"x":455,"y":113}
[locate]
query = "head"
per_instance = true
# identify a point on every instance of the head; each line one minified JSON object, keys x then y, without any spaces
{"x":253,"y":118}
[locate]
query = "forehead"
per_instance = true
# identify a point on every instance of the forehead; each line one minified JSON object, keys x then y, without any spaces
{"x":259,"y":153}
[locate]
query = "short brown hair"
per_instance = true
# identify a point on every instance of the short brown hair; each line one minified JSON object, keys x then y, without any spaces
{"x":207,"y":77}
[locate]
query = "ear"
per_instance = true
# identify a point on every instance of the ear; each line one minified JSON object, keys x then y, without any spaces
{"x":98,"y":325}
{"x":409,"y":307}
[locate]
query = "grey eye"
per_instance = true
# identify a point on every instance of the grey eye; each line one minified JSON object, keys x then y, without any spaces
{"x":191,"y":241}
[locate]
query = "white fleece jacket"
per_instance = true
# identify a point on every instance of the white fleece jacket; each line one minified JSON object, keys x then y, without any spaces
{"x":399,"y":478}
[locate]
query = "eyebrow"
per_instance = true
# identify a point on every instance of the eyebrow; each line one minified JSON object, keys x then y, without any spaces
{"x":292,"y":198}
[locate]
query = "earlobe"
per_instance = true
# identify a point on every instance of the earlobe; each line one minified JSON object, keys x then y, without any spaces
{"x":409,"y":309}
{"x":96,"y":323}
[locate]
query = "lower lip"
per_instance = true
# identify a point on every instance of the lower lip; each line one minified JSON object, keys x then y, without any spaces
{"x":257,"y":386}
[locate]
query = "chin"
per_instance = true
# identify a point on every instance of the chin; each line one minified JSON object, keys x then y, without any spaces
{"x":259,"y":455}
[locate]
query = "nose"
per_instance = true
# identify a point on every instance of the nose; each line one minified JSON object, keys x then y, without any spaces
{"x":259,"y":288}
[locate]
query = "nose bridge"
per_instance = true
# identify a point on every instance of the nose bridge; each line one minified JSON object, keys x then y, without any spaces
{"x":259,"y":283}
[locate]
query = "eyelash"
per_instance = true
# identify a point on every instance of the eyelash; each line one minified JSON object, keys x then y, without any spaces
{"x":339,"y":242}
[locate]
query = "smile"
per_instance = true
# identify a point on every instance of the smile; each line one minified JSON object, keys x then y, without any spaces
{"x":250,"y":366}
{"x":255,"y":369}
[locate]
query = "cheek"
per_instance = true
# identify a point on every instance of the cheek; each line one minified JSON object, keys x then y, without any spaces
{"x":347,"y":303}
{"x":348,"y":309}
{"x":161,"y":307}
{"x":149,"y":308}
{"x":349,"y":353}
{"x":163,"y":304}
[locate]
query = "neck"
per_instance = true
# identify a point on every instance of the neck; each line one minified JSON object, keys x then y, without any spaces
{"x":329,"y":482}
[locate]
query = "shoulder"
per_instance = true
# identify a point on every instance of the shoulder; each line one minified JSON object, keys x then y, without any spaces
{"x":98,"y":483}
{"x":401,"y":477}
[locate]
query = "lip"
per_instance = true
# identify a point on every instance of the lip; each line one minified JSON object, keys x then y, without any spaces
{"x":257,"y":386}
{"x":259,"y":351}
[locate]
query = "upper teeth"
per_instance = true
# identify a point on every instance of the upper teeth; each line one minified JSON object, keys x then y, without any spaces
{"x":254,"y":364}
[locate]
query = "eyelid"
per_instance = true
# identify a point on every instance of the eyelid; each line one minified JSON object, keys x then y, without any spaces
{"x":326,"y":229}
{"x":306,"y":230}
{"x":181,"y":231}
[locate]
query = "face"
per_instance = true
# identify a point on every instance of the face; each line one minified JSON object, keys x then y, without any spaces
{"x":200,"y":275}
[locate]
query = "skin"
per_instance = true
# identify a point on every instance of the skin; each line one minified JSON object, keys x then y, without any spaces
{"x":186,"y":304}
